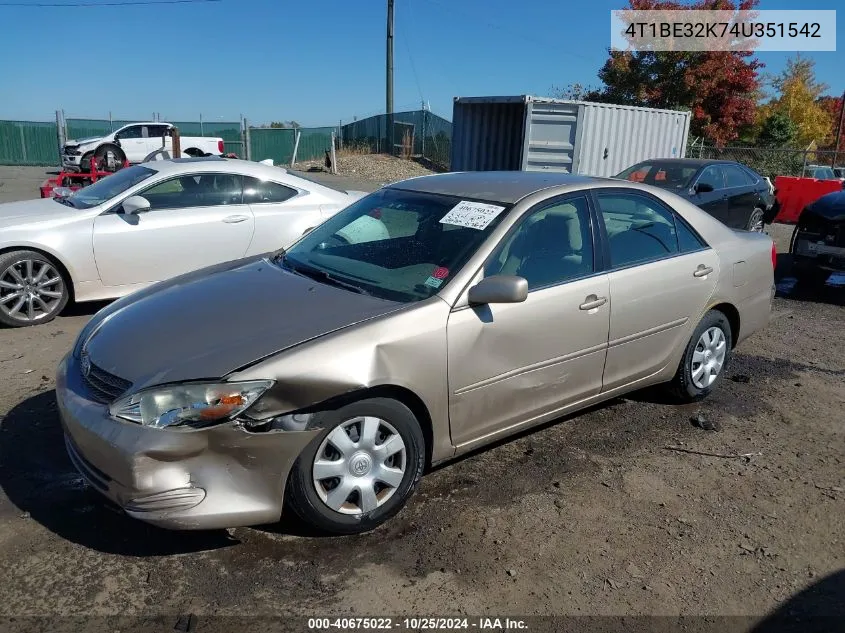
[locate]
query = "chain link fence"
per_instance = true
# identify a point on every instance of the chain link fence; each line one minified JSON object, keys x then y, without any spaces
{"x":418,"y":133}
{"x":770,"y":161}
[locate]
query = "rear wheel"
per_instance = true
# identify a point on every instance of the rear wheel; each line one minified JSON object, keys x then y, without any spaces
{"x":755,"y":221}
{"x":361,"y":469}
{"x":32,"y":289}
{"x":705,"y":358}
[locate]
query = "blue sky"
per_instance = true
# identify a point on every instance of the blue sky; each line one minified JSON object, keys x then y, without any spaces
{"x":316,"y":62}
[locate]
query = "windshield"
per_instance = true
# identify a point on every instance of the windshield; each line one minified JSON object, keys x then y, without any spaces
{"x":661,"y":174}
{"x":109,"y":187}
{"x":822,"y":173}
{"x":396,"y":245}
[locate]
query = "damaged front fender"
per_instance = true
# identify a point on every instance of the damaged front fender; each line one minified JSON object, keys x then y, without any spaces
{"x":405,"y":350}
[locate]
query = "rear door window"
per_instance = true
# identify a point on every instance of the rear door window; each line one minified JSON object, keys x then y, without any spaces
{"x":639,"y":229}
{"x":712,"y":176}
{"x":735,"y":177}
{"x":265,"y":191}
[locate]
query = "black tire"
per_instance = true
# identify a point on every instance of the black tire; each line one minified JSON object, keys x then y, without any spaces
{"x":17,"y":260}
{"x":682,"y":387}
{"x":302,"y":496}
{"x":756,"y":218}
{"x":102,"y":153}
{"x":85,"y":162}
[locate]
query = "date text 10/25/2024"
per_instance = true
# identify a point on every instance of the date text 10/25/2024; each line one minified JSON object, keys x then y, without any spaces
{"x":416,"y":624}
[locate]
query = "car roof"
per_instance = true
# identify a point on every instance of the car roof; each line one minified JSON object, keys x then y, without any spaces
{"x":689,"y":162}
{"x":499,"y":186}
{"x":142,"y":123}
{"x":176,"y":166}
{"x":214,"y":163}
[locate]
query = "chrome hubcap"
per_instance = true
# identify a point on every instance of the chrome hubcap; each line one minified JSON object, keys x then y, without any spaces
{"x":757,"y":222}
{"x":708,"y":357}
{"x":30,"y":290}
{"x":359,"y":465}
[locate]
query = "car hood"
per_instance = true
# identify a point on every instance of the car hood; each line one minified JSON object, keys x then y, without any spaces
{"x":212,"y":322}
{"x":82,"y":141}
{"x":12,"y":213}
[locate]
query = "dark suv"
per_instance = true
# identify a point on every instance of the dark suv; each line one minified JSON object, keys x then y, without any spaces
{"x":729,"y":191}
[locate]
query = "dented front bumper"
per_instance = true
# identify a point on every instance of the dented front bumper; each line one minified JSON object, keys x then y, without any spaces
{"x":218,"y":477}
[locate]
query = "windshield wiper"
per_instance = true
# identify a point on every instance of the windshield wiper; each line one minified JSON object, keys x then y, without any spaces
{"x":320,"y":275}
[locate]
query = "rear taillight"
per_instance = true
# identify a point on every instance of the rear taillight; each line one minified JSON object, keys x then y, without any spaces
{"x":220,"y":147}
{"x":774,"y":256}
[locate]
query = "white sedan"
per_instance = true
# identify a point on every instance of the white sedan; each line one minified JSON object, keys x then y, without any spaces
{"x":148,"y":223}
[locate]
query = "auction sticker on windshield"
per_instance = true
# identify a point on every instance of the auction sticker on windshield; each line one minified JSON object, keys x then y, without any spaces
{"x":472,"y":215}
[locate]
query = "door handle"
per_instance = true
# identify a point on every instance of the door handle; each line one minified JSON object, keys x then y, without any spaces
{"x":234,"y":219}
{"x":702,"y":271}
{"x":592,"y":302}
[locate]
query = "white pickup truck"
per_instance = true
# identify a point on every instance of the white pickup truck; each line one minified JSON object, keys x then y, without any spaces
{"x":133,"y":142}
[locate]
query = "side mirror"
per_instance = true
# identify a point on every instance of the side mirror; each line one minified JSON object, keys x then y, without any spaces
{"x":703,"y":187}
{"x":499,"y":289}
{"x":135,"y":204}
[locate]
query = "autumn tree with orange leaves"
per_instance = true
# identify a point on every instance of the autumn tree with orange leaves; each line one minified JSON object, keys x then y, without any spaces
{"x":720,"y":89}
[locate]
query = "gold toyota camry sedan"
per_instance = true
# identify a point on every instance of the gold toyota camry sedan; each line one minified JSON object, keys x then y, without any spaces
{"x":427,"y":319}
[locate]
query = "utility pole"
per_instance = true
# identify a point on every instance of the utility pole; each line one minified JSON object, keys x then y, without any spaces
{"x":389,"y":95}
{"x":838,"y":130}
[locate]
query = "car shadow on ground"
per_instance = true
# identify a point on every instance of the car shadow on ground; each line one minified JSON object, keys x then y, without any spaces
{"x":792,"y":288}
{"x":37,"y":476}
{"x":818,"y":608}
{"x":89,"y":308}
{"x":39,"y":479}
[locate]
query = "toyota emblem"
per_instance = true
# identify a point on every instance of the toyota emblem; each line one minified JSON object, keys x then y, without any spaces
{"x":85,"y":364}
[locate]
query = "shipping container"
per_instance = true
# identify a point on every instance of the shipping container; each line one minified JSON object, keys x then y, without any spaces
{"x":525,"y":133}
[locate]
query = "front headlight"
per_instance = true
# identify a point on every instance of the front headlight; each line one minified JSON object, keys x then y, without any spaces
{"x":189,"y":404}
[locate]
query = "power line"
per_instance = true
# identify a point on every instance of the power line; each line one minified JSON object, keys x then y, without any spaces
{"x":405,"y":39}
{"x":101,"y":4}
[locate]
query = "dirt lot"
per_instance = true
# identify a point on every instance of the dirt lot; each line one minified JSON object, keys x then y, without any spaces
{"x":592,"y":515}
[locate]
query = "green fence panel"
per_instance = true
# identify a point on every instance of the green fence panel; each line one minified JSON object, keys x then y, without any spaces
{"x":314,"y":142}
{"x":28,"y":143}
{"x":92,"y":128}
{"x":275,"y":143}
{"x":432,"y":134}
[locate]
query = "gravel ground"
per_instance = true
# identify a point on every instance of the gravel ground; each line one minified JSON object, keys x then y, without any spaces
{"x":377,"y":168}
{"x":592,"y":515}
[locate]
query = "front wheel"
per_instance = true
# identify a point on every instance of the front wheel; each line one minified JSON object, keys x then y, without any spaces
{"x":360,"y":471}
{"x":32,"y":289}
{"x":109,"y":158}
{"x":705,"y":358}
